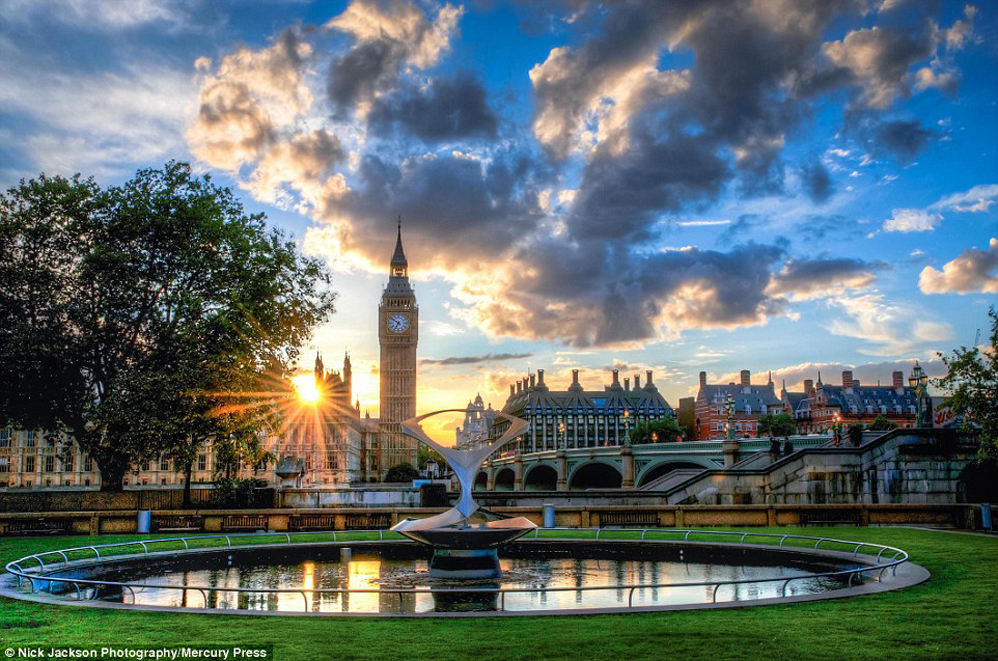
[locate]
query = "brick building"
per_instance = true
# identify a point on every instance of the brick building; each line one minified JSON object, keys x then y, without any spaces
{"x":751,"y":402}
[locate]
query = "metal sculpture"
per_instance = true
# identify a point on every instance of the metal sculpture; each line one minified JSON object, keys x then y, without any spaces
{"x":463,"y":549}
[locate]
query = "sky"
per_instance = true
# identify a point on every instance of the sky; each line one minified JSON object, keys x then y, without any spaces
{"x":717,"y":185}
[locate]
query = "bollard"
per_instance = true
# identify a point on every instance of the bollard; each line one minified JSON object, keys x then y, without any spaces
{"x":548,"y":515}
{"x":144,"y":521}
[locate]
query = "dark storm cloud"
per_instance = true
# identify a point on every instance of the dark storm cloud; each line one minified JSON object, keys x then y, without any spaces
{"x":471,"y":360}
{"x":818,"y":227}
{"x":451,"y":108}
{"x":904,"y":140}
{"x":817,"y":183}
{"x":814,"y":278}
{"x":369,"y":67}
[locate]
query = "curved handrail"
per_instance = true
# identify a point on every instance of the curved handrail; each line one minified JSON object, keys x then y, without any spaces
{"x":47,"y":572}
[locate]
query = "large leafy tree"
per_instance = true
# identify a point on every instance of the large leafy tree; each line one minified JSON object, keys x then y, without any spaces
{"x":777,"y":425}
{"x":662,"y":430}
{"x":143,"y":319}
{"x":971,"y":383}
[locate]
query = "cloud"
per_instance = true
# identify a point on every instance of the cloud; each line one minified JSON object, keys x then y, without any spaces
{"x":104,"y":15}
{"x":822,"y":278}
{"x":817,"y":183}
{"x":911,"y":220}
{"x":471,"y":360}
{"x":390,"y":35}
{"x":977,"y":199}
{"x":970,"y":272}
{"x":903,"y":139}
{"x":447,"y":109}
{"x":887,"y":328}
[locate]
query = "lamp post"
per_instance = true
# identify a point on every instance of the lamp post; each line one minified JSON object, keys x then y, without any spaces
{"x":729,"y":447}
{"x":919,"y":381}
{"x":627,"y":426}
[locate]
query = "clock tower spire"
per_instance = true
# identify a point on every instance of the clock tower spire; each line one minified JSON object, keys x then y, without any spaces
{"x":398,"y":325}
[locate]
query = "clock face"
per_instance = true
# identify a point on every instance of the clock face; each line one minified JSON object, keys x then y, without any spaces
{"x":398,"y":323}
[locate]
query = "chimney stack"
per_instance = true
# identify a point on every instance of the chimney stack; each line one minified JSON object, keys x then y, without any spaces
{"x":898,"y":379}
{"x":648,"y":381}
{"x":703,"y":378}
{"x":627,"y":383}
{"x":746,"y":378}
{"x":847,"y":379}
{"x":808,"y":388}
{"x":616,"y":380}
{"x":532,"y":381}
{"x":575,"y":377}
{"x":512,"y":390}
{"x":519,"y":387}
{"x":637,"y":381}
{"x":540,"y":377}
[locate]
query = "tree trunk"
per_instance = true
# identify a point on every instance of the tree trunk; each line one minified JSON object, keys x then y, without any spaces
{"x":112,"y":479}
{"x":188,"y":469}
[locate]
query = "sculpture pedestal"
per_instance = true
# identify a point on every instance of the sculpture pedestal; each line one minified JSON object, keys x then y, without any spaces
{"x":465,"y":564}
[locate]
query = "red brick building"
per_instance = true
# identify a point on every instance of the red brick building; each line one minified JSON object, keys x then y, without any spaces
{"x":751,"y":402}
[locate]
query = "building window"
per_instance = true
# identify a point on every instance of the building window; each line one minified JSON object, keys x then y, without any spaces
{"x":4,"y":438}
{"x":164,"y":464}
{"x":67,"y":463}
{"x":88,"y":464}
{"x":4,"y":464}
{"x":331,"y":461}
{"x":144,"y":466}
{"x":29,"y":464}
{"x":202,"y":462}
{"x":31,"y":439}
{"x":49,"y":463}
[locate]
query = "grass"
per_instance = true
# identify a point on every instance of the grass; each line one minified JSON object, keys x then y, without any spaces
{"x":950,"y":617}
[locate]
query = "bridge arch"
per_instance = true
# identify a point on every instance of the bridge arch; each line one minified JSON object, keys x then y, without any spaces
{"x":481,"y":481}
{"x":540,"y":477}
{"x":595,"y":475}
{"x":657,"y":470}
{"x":505,"y":477}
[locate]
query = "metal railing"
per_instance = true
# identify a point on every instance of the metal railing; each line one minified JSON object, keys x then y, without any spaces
{"x":45,"y":572}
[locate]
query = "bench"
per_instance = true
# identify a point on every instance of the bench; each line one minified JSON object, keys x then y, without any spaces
{"x":367,"y":521}
{"x":832,"y":518}
{"x":177,"y":523}
{"x":244,"y":523}
{"x":39,"y":526}
{"x":644,"y":519}
{"x":302,"y":522}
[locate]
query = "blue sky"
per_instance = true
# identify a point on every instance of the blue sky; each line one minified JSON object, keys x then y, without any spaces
{"x":763,"y":185}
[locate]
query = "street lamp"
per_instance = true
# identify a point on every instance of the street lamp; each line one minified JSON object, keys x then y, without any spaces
{"x":431,"y":469}
{"x":919,"y":381}
{"x":627,"y":426}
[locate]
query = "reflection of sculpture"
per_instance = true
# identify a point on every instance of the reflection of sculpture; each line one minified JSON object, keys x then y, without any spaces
{"x":463,"y":547}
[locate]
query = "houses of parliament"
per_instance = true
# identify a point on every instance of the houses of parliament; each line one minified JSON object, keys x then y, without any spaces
{"x":330,"y":442}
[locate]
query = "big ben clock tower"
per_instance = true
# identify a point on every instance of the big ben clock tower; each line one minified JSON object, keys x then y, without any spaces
{"x":398,"y":326}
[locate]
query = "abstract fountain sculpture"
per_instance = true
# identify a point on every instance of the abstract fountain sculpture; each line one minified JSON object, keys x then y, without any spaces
{"x":464,"y":545}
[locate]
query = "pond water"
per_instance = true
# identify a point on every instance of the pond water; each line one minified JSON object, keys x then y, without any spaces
{"x":309,"y":569}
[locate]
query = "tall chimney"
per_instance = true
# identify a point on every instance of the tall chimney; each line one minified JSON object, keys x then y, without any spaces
{"x":808,"y":388}
{"x":531,"y":380}
{"x":512,"y":390}
{"x":616,"y":380}
{"x":746,"y":378}
{"x":648,"y":381}
{"x":575,"y":377}
{"x":540,"y":377}
{"x":703,"y":378}
{"x":637,"y":381}
{"x":898,"y":380}
{"x":519,"y":386}
{"x":847,"y":379}
{"x":627,"y":383}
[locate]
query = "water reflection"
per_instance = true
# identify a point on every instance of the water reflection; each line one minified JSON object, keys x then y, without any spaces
{"x":308,"y":572}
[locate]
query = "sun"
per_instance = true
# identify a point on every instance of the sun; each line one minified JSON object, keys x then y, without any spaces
{"x":305,"y":387}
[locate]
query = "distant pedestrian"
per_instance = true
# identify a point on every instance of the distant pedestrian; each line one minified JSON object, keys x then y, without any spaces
{"x":788,"y":448}
{"x":774,"y":447}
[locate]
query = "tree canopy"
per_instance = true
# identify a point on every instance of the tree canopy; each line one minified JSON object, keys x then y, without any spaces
{"x":882,"y":423}
{"x":662,"y":430}
{"x":971,"y":383}
{"x":777,"y":425}
{"x":145,"y":318}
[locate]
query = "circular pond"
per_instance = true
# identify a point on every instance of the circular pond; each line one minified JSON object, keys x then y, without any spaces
{"x":391,"y":577}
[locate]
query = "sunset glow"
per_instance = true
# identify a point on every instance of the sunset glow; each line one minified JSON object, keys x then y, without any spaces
{"x":305,"y":387}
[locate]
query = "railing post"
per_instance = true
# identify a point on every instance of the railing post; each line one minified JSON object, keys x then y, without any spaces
{"x":228,"y":541}
{"x":305,"y":598}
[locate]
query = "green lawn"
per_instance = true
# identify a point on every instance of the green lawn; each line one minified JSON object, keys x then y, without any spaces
{"x":950,"y":617}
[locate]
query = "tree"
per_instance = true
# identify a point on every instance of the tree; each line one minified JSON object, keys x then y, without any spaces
{"x":661,"y":430}
{"x":971,"y":383}
{"x":881,"y":423}
{"x":133,"y":317}
{"x":776,"y":425}
{"x":404,"y":472}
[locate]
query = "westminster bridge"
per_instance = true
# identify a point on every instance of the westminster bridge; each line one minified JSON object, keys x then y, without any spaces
{"x":617,"y":466}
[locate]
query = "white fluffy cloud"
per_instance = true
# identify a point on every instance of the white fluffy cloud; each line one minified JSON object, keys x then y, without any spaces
{"x":888,"y":328}
{"x":973,"y":271}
